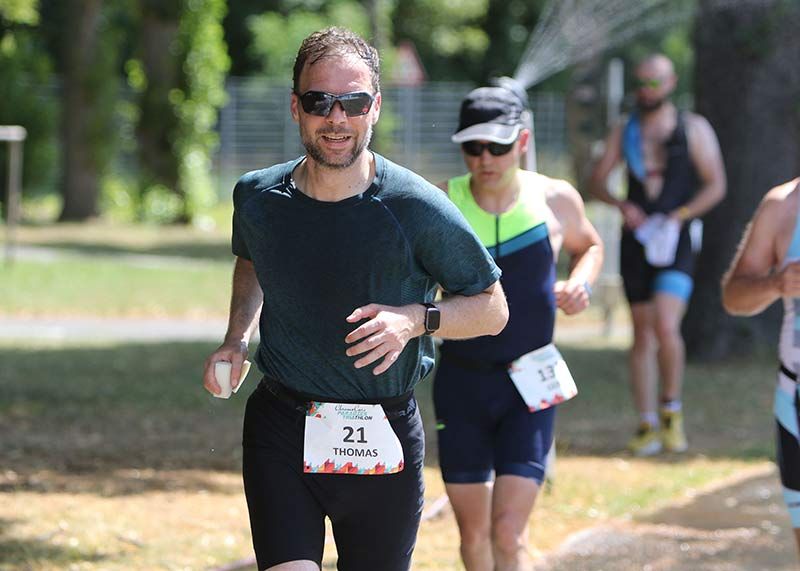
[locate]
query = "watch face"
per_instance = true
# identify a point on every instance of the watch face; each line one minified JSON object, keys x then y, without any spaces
{"x":432,"y":319}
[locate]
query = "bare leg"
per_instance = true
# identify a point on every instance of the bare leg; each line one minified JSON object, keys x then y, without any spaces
{"x":472,"y":505}
{"x":642,"y":358}
{"x":669,"y":312}
{"x":512,"y":504}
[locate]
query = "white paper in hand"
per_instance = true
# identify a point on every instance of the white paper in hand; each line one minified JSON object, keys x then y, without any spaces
{"x":222,"y":372}
{"x":659,"y":234}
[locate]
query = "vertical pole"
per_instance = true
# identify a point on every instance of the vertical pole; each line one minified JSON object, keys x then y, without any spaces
{"x":610,"y":280}
{"x":14,"y":193}
{"x":616,"y":90}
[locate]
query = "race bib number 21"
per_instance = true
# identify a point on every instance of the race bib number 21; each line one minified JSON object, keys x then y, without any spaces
{"x":357,"y":439}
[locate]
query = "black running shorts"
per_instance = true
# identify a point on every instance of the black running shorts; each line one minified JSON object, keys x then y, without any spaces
{"x":375,"y":518}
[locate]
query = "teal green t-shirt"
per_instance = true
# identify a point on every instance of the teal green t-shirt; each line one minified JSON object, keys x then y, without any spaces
{"x":318,"y":261}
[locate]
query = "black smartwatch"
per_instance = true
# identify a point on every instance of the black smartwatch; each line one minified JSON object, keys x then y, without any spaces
{"x":433,"y":318}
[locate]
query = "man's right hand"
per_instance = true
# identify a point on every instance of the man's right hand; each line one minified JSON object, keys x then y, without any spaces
{"x":235,"y":353}
{"x":632,"y":215}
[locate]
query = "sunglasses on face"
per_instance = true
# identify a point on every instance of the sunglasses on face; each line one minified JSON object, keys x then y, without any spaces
{"x":320,"y":103}
{"x":651,"y":82}
{"x":476,"y":148}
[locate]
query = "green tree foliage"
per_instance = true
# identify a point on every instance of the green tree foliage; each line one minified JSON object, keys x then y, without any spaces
{"x":448,"y":36}
{"x":20,"y":11}
{"x":181,"y":81}
{"x":83,"y":39}
{"x":238,"y":36}
{"x":204,"y":66}
{"x":508,"y":24}
{"x":277,"y":35}
{"x":26,"y":70}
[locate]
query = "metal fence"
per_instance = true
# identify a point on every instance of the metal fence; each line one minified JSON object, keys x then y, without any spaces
{"x":256,"y":129}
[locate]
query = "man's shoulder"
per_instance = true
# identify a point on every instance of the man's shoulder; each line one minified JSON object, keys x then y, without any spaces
{"x":783,"y":194}
{"x":266,"y":177}
{"x":394,"y":172}
{"x":779,"y":204}
{"x":552,"y":188}
{"x":257,"y":181}
{"x":695,"y":123}
{"x":400,"y":183}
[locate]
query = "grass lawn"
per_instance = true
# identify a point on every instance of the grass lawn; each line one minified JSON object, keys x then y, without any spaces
{"x":119,"y":271}
{"x":112,"y":457}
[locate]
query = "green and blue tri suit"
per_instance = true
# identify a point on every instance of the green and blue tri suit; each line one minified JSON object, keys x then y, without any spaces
{"x":483,"y":423}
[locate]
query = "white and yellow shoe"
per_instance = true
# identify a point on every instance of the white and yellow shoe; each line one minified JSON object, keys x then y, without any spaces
{"x":646,"y":441}
{"x":673,"y":436}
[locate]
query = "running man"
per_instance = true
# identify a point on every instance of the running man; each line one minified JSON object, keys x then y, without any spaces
{"x":340,"y":252}
{"x":767,"y":268}
{"x":675,"y":174}
{"x":487,"y":430}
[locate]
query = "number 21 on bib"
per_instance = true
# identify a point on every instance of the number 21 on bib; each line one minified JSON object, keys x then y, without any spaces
{"x":357,"y":439}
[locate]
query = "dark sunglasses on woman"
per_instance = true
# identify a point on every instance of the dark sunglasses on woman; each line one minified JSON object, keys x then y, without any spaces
{"x":320,"y":103}
{"x":476,"y":148}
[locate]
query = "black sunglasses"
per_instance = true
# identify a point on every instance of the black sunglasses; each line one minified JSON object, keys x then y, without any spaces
{"x":320,"y":103}
{"x":476,"y":148}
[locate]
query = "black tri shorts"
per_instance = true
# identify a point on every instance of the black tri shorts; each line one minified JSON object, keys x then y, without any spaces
{"x":641,"y":280}
{"x":485,"y":428}
{"x":375,"y":518}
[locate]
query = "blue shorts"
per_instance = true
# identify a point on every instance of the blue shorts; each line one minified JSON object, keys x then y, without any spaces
{"x":641,"y":280}
{"x":787,"y":417}
{"x":484,"y":426}
{"x":375,"y":518}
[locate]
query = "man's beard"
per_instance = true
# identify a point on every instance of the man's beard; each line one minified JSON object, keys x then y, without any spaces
{"x":315,"y":151}
{"x":650,"y":106}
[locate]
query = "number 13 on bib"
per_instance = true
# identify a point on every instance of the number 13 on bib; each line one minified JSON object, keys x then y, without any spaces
{"x":542,"y":378}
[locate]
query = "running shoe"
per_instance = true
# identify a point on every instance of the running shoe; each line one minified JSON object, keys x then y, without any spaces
{"x":646,"y":441}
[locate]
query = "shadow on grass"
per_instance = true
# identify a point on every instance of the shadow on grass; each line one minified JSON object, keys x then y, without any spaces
{"x":40,"y":550}
{"x":105,"y":410}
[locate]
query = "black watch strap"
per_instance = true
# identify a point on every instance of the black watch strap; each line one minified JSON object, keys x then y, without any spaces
{"x":432,"y":318}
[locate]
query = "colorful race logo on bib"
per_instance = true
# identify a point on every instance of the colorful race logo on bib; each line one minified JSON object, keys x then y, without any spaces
{"x":343,"y":438}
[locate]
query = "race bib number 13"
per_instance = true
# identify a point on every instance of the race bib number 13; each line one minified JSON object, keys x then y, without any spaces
{"x":356,"y":439}
{"x":542,"y":378}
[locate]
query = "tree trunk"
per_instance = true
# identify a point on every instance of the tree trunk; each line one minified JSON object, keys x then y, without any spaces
{"x":157,"y":122}
{"x":747,"y":80}
{"x":81,"y":176}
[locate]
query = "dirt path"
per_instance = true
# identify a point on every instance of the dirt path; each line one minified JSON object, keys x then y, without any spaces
{"x":740,"y":525}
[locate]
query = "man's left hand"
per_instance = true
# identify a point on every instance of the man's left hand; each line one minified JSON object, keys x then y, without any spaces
{"x":571,"y":297}
{"x":384,"y":335}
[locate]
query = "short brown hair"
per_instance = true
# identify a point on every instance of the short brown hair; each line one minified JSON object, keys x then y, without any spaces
{"x":336,"y":42}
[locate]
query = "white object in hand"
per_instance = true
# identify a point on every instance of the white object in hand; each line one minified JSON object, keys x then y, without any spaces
{"x":222,"y":372}
{"x":659,"y":234}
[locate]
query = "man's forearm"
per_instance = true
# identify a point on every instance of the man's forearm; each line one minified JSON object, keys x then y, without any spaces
{"x":246,"y":301}
{"x":745,"y":295}
{"x":706,"y":199}
{"x":463,"y":317}
{"x":585,"y":267}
